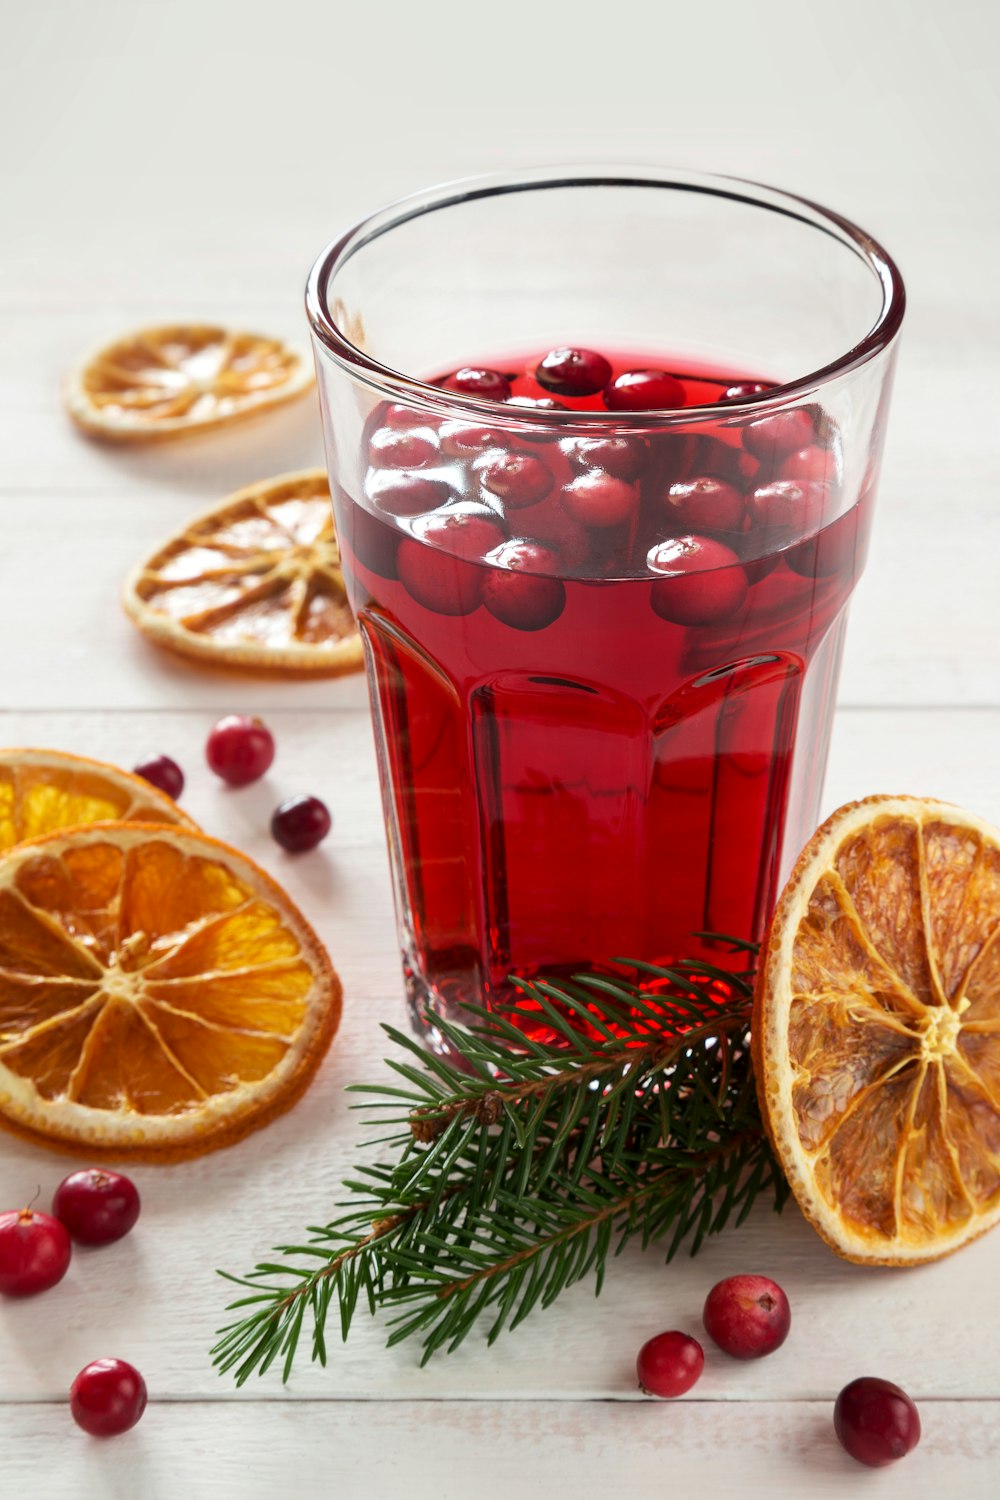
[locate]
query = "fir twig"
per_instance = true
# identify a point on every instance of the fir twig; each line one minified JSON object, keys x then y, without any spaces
{"x":526,"y":1171}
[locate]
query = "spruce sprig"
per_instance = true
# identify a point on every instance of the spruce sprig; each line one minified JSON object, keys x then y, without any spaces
{"x":524,"y":1172}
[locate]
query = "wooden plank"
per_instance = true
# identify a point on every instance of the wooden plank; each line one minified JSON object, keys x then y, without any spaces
{"x":433,"y":1450}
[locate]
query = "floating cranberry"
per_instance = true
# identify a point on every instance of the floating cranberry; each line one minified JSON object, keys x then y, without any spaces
{"x":704,"y":582}
{"x":537,"y":403}
{"x":438,"y":580}
{"x":107,"y":1397}
{"x":465,"y":440}
{"x":395,"y":415}
{"x":773,"y":437}
{"x":808,"y":465}
{"x":573,"y":372}
{"x":490,"y":384}
{"x":518,"y":479}
{"x":300,"y":823}
{"x":372,"y":541}
{"x":408,"y":494}
{"x":669,"y":1364}
{"x":558,"y":530}
{"x":644,"y":390}
{"x":96,"y":1206}
{"x":34,"y":1252}
{"x":788,"y":507}
{"x":838,"y":548}
{"x":513,"y":591}
{"x":599,"y":499}
{"x":464,"y":530}
{"x":163,"y":773}
{"x":624,"y":457}
{"x":747,"y":1316}
{"x":876,"y":1421}
{"x":744,"y":389}
{"x":704,"y":504}
{"x":240,"y":749}
{"x":392,"y":449}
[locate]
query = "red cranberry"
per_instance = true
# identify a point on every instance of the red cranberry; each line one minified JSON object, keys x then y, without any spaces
{"x":599,"y":499}
{"x":747,"y":1316}
{"x":773,"y":437}
{"x":808,"y":465}
{"x":552,"y":525}
{"x":34,"y":1252}
{"x":408,"y":494}
{"x":240,"y":749}
{"x":390,"y":449}
{"x":515,"y":594}
{"x":788,"y":507}
{"x":96,"y":1206}
{"x":300,"y":823}
{"x":163,"y":773}
{"x":624,"y":457}
{"x":537,"y":403}
{"x":644,"y":390}
{"x":669,"y":1364}
{"x":704,"y":504}
{"x":838,"y":548}
{"x":745,"y":388}
{"x":490,"y":384}
{"x":704,"y":584}
{"x":464,"y":530}
{"x":372,"y":541}
{"x":464,"y":440}
{"x":438,"y":580}
{"x":395,"y":415}
{"x":876,"y":1421}
{"x":573,"y":372}
{"x":107,"y":1397}
{"x":518,"y":479}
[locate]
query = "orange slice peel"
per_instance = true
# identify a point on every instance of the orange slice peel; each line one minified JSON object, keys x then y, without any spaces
{"x":42,"y":791}
{"x":253,"y":583}
{"x":160,"y":995}
{"x":175,"y":380}
{"x":876,"y":1030}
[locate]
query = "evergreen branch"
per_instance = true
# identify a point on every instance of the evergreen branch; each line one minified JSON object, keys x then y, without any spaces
{"x":527,"y":1169}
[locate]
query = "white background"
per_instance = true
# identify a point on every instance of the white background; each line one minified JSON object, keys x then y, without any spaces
{"x":183,"y":159}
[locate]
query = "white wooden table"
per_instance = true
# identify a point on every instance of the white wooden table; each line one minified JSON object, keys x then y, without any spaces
{"x":187,"y":160}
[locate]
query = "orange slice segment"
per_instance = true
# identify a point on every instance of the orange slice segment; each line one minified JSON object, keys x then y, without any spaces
{"x":876,"y":1032}
{"x":160,"y":996}
{"x":166,"y":382}
{"x":45,"y":790}
{"x":254,"y":583}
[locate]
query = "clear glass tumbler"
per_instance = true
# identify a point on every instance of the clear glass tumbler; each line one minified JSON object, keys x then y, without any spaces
{"x":602,"y":644}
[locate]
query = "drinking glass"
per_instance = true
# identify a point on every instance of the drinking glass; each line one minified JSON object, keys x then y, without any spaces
{"x":601,"y":734}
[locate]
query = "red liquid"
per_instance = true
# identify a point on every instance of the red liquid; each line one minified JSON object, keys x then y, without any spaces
{"x":602,"y":759}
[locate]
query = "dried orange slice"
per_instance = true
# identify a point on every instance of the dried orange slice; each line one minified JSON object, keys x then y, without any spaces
{"x":253,"y":583}
{"x":159,"y":994}
{"x":876,"y":1032}
{"x":167,"y":382}
{"x":45,"y":790}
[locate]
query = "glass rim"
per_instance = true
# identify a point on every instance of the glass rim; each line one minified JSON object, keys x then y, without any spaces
{"x":397,"y":386}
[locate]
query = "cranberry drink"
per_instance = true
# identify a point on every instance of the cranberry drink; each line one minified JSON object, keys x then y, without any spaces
{"x":603,"y":660}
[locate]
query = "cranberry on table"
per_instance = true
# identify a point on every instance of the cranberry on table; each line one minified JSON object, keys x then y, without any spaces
{"x":492,"y":385}
{"x":96,"y":1206}
{"x":599,"y":499}
{"x":744,"y":389}
{"x":774,"y":437}
{"x":240,"y":749}
{"x":669,"y":1364}
{"x":573,"y":372}
{"x":517,"y":479}
{"x":107,"y":1397}
{"x":163,"y":773}
{"x":704,"y":504}
{"x":390,"y":448}
{"x":876,"y":1421}
{"x":808,"y":464}
{"x":644,"y":390}
{"x":300,"y":823}
{"x":35,"y":1252}
{"x":624,"y":457}
{"x":747,"y":1316}
{"x":515,"y":593}
{"x":408,"y":494}
{"x":704,"y":581}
